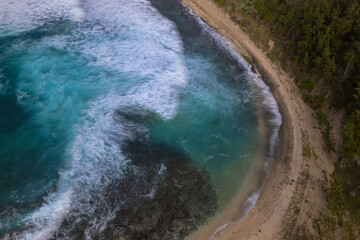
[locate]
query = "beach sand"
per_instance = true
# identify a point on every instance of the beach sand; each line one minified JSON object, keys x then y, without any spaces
{"x":267,"y":219}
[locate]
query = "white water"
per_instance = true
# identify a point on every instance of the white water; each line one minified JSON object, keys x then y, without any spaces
{"x":94,"y":156}
{"x":98,"y":57}
{"x":274,"y":121}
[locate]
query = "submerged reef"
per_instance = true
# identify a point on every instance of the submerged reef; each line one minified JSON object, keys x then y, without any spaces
{"x":164,"y":197}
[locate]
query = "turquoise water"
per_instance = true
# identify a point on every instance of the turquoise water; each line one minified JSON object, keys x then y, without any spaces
{"x":97,"y":94}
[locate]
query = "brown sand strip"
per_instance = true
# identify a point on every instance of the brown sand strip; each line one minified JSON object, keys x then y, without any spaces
{"x":265,"y":220}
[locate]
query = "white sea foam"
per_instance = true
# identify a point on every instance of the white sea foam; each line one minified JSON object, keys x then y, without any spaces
{"x":23,"y":15}
{"x":269,"y":101}
{"x":146,"y":51}
{"x":7,"y":216}
{"x":49,"y":215}
{"x":143,"y":44}
{"x":96,"y":160}
{"x":270,"y":104}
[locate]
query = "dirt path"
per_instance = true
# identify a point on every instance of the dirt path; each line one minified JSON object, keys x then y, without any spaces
{"x":273,"y":212}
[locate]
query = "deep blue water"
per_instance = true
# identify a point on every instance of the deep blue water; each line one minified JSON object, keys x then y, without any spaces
{"x":92,"y":90}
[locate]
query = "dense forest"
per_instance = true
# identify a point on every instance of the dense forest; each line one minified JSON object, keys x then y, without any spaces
{"x":321,"y":40}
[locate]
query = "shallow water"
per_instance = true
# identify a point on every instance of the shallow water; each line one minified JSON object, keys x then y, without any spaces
{"x":118,"y":118}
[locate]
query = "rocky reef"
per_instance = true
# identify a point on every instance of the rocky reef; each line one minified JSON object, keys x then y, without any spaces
{"x":164,"y":197}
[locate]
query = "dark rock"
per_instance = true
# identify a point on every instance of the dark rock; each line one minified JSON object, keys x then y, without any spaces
{"x":164,"y":197}
{"x":183,"y":201}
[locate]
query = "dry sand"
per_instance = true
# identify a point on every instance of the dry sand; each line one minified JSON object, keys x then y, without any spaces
{"x":272,"y":212}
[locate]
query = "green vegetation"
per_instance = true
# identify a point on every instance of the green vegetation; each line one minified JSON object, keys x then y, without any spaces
{"x":319,"y":43}
{"x":343,"y":203}
{"x":220,"y":2}
{"x":314,"y":101}
{"x":351,"y":136}
{"x":245,"y":7}
{"x":322,"y":37}
{"x":325,"y":129}
{"x":349,"y":193}
{"x":271,"y":56}
{"x":336,"y":199}
{"x":308,"y":85}
{"x":307,"y":151}
{"x":246,"y":58}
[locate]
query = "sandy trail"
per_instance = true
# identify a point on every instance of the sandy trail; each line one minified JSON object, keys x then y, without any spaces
{"x":265,"y":221}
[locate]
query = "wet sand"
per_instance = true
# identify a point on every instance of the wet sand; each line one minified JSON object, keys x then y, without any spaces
{"x":265,"y":220}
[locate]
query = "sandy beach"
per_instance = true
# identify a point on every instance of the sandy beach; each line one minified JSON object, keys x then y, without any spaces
{"x":272,"y":211}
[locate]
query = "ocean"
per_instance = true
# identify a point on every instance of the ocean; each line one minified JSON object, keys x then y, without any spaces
{"x":121,"y":119}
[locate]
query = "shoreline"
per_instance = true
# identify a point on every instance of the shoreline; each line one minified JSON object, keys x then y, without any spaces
{"x":269,"y":122}
{"x":264,"y":221}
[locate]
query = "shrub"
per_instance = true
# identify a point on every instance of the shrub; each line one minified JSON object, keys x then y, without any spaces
{"x":351,"y":136}
{"x":246,"y":7}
